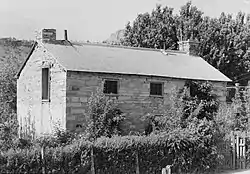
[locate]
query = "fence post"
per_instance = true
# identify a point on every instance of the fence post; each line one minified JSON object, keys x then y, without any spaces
{"x":92,"y":160}
{"x":166,"y":170}
{"x":244,"y":150}
{"x":234,"y":150}
{"x":238,"y":151}
{"x":43,"y":161}
{"x":137,"y":163}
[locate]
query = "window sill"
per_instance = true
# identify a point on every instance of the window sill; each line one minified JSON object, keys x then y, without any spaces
{"x":156,"y":96}
{"x":45,"y":100}
{"x":112,"y":95}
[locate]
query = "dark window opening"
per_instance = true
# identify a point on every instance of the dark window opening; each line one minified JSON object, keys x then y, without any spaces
{"x":231,"y":91}
{"x":156,"y":89}
{"x":110,"y":87}
{"x":45,"y":83}
{"x":78,"y":126}
{"x":193,"y":91}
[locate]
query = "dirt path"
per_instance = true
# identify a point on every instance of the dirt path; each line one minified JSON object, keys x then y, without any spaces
{"x":246,"y":171}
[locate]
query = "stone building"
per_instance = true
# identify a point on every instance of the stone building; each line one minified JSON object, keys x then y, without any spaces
{"x":57,"y":78}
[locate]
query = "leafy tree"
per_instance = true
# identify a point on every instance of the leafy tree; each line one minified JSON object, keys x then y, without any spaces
{"x":8,"y":82}
{"x":223,"y":41}
{"x":9,"y":66}
{"x":224,"y":44}
{"x":189,"y":21}
{"x":155,"y":30}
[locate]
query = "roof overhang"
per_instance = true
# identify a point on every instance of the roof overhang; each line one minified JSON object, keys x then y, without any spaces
{"x":26,"y":60}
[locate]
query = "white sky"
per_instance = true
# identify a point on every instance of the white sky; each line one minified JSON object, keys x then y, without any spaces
{"x":92,"y":20}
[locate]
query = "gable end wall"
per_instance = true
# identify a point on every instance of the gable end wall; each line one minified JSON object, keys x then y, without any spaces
{"x":34,"y":115}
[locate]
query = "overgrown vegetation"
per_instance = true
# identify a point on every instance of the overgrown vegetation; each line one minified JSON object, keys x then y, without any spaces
{"x":186,"y":134}
{"x":13,"y":52}
{"x":183,"y":137}
{"x":104,"y":117}
{"x":223,"y":40}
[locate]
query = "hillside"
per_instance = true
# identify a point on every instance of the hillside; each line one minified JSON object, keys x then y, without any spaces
{"x":11,"y":47}
{"x":115,"y":38}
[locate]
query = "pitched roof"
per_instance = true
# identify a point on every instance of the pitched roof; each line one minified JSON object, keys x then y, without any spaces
{"x":136,"y":61}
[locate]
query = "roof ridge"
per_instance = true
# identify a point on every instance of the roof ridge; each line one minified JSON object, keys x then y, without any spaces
{"x":135,"y":48}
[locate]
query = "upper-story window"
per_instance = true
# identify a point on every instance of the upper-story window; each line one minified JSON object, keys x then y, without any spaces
{"x":156,"y":88}
{"x":45,"y":83}
{"x":110,"y":87}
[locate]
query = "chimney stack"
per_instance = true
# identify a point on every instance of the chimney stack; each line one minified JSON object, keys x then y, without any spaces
{"x":189,"y":46}
{"x":48,"y":35}
{"x":65,"y":35}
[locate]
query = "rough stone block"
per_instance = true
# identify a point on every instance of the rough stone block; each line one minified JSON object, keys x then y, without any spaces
{"x":71,"y":117}
{"x":74,"y":104}
{"x":75,"y":99}
{"x":77,"y":111}
{"x":83,"y":99}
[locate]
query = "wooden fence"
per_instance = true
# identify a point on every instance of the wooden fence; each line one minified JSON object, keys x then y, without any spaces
{"x":234,"y":151}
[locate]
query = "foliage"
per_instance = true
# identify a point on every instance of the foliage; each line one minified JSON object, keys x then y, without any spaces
{"x":104,"y":117}
{"x":189,"y":147}
{"x":200,"y":99}
{"x":8,"y":134}
{"x":155,"y":30}
{"x":195,"y":110}
{"x":12,"y":60}
{"x":223,"y":41}
{"x":194,"y":101}
{"x":234,"y":116}
{"x":13,"y":52}
{"x":116,"y":154}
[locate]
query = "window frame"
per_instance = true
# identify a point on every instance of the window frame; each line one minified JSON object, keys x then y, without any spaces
{"x":47,"y":99}
{"x":118,"y":86}
{"x":162,"y":89}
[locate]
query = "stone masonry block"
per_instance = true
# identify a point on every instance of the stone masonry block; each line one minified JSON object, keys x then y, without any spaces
{"x":77,"y":111}
{"x":74,"y":105}
{"x":83,"y":99}
{"x":75,"y":99}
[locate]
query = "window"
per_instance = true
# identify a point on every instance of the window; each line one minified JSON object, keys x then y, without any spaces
{"x":45,"y":83}
{"x":231,"y":91}
{"x":110,"y":87}
{"x":156,"y":89}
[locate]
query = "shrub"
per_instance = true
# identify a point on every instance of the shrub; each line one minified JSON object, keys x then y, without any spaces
{"x":184,"y":150}
{"x":8,"y":134}
{"x":104,"y":117}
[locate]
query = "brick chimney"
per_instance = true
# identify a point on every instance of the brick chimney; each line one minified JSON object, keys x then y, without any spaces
{"x":189,"y":46}
{"x":65,"y":35}
{"x":48,"y":35}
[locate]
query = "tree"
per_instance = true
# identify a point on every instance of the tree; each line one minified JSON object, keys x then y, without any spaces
{"x":15,"y":52}
{"x":155,"y":30}
{"x":189,"y":21}
{"x":8,"y":82}
{"x":223,"y":41}
{"x":224,"y":44}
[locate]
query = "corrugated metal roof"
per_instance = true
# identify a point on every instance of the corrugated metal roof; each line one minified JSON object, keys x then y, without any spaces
{"x":99,"y":58}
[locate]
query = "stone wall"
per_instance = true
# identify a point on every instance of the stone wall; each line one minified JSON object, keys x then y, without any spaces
{"x":133,"y":96}
{"x":35,"y":115}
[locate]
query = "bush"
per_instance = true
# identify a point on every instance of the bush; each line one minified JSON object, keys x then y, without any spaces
{"x":8,"y":134}
{"x":185,"y":151}
{"x":104,"y":117}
